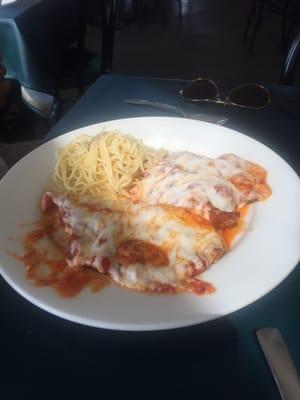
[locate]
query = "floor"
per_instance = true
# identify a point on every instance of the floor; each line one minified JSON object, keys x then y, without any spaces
{"x":208,"y":42}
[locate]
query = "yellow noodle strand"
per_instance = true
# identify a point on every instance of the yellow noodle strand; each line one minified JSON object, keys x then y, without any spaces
{"x":106,"y":166}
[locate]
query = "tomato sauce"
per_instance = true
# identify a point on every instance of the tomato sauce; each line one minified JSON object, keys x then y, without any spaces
{"x":200,"y":287}
{"x":140,"y":251}
{"x":95,"y":208}
{"x":230,"y":234}
{"x":45,"y":271}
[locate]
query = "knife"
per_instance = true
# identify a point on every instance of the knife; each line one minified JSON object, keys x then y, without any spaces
{"x":170,"y":108}
{"x":280,"y":362}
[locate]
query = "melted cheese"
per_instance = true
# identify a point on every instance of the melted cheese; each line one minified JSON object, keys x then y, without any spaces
{"x":94,"y":237}
{"x":224,"y":166}
{"x":192,"y":181}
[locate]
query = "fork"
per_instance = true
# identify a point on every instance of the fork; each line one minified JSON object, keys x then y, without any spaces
{"x":168,"y":107}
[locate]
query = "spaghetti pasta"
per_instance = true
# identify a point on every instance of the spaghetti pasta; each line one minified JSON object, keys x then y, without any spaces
{"x":105,"y":166}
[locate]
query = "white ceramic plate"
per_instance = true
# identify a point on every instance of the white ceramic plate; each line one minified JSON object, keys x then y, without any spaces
{"x":266,"y":253}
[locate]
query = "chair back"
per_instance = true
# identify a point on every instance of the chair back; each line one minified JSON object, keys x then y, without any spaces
{"x":291,"y":60}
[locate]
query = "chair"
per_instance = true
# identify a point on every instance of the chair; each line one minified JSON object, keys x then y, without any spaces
{"x":7,"y":94}
{"x":291,"y":60}
{"x":161,"y":6}
{"x":4,"y":86}
{"x":76,"y":67}
{"x":109,"y":23}
{"x":286,"y":9}
{"x":164,"y":7}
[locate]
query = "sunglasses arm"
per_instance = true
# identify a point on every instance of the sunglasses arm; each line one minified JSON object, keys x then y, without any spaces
{"x":219,"y":101}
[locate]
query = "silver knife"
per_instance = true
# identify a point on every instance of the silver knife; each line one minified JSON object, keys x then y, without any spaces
{"x":280,"y":362}
{"x":170,"y":108}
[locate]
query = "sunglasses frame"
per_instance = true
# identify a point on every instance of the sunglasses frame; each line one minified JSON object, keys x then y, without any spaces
{"x":227,"y":102}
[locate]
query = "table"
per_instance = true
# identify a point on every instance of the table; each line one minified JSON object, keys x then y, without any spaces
{"x":219,"y":359}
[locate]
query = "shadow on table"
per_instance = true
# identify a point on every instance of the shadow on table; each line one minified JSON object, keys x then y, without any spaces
{"x":44,"y":351}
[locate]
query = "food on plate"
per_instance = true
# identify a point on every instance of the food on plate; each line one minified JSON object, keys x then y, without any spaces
{"x":148,"y":248}
{"x":105,"y":166}
{"x":213,"y":188}
{"x":146,"y":219}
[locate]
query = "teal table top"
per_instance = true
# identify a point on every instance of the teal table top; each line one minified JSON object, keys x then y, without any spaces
{"x":217,"y":360}
{"x":277,"y":127}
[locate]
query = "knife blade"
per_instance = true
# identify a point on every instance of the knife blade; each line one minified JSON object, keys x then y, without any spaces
{"x":280,"y":362}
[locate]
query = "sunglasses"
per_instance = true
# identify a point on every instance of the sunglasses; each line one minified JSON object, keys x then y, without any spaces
{"x":248,"y":95}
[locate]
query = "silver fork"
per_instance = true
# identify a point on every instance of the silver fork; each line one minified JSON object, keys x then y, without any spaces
{"x":168,"y":107}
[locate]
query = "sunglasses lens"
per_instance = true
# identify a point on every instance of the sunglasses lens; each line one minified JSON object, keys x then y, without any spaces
{"x":253,"y":96}
{"x":201,"y":89}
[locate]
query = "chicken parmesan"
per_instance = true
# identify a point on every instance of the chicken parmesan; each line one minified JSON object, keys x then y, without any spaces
{"x":142,"y":247}
{"x":146,"y":219}
{"x":213,"y":188}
